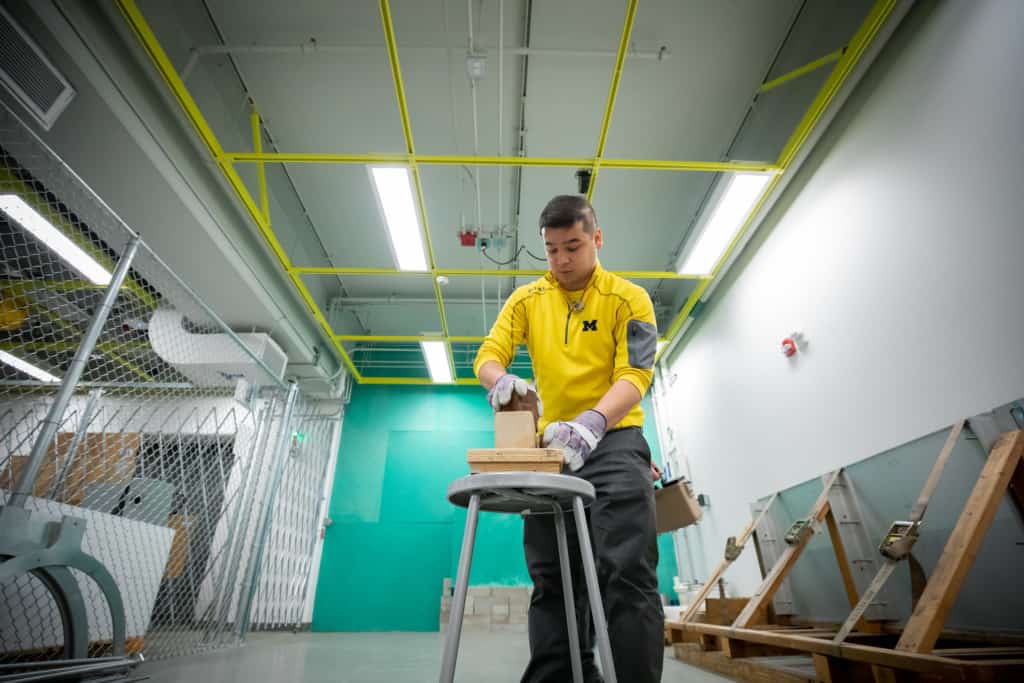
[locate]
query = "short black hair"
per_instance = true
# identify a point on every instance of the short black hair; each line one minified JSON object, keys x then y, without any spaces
{"x":566,"y":210}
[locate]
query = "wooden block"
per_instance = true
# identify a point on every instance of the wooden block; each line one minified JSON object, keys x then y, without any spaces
{"x":514,"y":460}
{"x":515,"y":429}
{"x":724,"y":611}
{"x":528,"y":403}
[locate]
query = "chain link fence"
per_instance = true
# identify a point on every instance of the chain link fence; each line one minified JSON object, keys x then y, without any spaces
{"x":145,"y":449}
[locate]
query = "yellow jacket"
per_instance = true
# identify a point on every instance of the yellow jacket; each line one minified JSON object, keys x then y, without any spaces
{"x":578,"y":353}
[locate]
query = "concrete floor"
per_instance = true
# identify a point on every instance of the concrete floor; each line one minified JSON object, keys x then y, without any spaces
{"x":366,"y":657}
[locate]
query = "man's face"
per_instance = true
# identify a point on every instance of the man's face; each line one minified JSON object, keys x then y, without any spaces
{"x":572,"y":254}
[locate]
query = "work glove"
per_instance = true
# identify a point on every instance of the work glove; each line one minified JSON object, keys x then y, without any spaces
{"x":577,"y":438}
{"x":508,"y":385}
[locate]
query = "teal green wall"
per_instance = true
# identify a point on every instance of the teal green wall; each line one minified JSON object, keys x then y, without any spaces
{"x":395,"y":536}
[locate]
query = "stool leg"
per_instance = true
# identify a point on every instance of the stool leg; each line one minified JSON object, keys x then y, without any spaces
{"x":604,"y":647}
{"x":570,"y":602}
{"x":451,"y":643}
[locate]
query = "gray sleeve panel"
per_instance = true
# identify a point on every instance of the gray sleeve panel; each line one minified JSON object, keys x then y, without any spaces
{"x":642,"y":342}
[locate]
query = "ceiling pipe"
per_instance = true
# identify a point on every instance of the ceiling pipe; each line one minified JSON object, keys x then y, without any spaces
{"x":501,"y":151}
{"x":312,"y":47}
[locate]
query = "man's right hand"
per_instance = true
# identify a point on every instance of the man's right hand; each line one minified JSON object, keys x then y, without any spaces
{"x":501,"y":393}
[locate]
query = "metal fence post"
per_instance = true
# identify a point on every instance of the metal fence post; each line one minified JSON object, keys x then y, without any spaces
{"x":48,"y":429}
{"x":253,"y":570}
{"x":83,"y":427}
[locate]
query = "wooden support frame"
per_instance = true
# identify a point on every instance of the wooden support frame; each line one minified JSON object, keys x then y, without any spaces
{"x":1003,"y":466}
{"x":716,"y":575}
{"x":872,"y":657}
{"x":778,"y":573}
{"x":856,"y":661}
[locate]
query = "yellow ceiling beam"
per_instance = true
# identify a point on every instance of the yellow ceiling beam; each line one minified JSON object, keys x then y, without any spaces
{"x":464,"y":160}
{"x":802,"y":71}
{"x":470,"y":272}
{"x":613,"y":92}
{"x":147,"y":39}
{"x":410,"y":148}
{"x":851,"y":55}
{"x":261,"y":169}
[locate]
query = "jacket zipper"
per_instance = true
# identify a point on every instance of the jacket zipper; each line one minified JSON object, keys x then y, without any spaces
{"x":568,"y":317}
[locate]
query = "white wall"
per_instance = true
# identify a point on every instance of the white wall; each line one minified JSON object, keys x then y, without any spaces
{"x":898,"y":251}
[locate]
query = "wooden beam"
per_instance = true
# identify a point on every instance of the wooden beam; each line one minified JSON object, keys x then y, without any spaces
{"x":955,"y":669}
{"x":841,"y":559}
{"x":759,"y":670}
{"x":925,"y":624}
{"x":1017,"y":488}
{"x":766,"y":591}
{"x":709,"y":585}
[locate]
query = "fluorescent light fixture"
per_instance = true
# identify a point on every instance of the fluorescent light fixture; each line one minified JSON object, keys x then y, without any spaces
{"x":43,"y":230}
{"x":735,"y":198}
{"x":394,"y":196}
{"x":27,"y":368}
{"x":436,"y":356}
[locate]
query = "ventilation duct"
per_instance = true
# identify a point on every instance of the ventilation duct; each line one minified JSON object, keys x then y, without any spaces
{"x":211,"y":360}
{"x":29,"y":75}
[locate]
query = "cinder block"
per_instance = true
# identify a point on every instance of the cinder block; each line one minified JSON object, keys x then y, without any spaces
{"x":509,"y":628}
{"x":479,"y":591}
{"x":476,"y":622}
{"x":511,"y":592}
{"x":482,"y":605}
{"x":515,"y":429}
{"x":499,"y":613}
{"x":446,"y":602}
{"x":517,"y":618}
{"x":446,"y":586}
{"x":469,"y":605}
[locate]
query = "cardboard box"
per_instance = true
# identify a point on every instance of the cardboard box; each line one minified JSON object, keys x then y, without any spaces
{"x":676,"y":507}
{"x":515,"y":429}
{"x":100,"y":458}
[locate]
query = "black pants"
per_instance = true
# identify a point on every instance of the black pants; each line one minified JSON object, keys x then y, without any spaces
{"x":621,"y":523}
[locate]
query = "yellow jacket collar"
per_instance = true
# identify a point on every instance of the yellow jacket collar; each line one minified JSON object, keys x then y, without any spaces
{"x":598,"y":272}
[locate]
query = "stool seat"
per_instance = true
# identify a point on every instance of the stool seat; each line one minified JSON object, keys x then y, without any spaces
{"x":519,"y":492}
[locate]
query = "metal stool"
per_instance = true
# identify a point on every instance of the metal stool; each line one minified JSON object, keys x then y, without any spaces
{"x":530,"y":493}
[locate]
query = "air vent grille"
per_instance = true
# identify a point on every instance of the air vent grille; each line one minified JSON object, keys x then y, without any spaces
{"x":29,"y":75}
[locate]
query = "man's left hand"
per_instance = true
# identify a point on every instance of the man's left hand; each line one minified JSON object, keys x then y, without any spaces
{"x":577,"y":438}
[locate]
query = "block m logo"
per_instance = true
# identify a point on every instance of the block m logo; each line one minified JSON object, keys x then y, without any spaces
{"x":590,"y":326}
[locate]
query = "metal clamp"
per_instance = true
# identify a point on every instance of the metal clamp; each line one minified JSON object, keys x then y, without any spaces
{"x":899,"y":540}
{"x":798,"y":534}
{"x":732,"y":549}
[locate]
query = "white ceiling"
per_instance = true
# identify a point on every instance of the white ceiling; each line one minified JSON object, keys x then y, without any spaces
{"x":690,"y":105}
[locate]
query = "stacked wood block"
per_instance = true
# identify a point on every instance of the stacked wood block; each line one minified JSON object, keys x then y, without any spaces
{"x":489,"y":608}
{"x":515,"y":447}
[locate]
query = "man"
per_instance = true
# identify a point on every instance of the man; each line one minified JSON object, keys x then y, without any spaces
{"x":592,"y":338}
